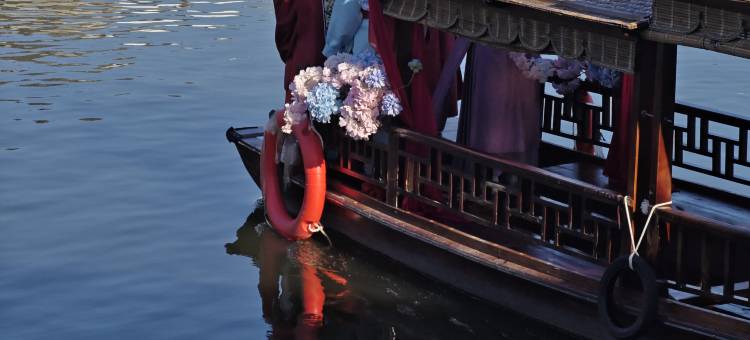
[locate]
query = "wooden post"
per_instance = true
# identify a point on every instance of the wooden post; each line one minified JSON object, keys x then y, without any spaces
{"x":652,"y":114}
{"x":391,"y":187}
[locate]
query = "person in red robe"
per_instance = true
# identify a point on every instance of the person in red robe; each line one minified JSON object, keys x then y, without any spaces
{"x":300,"y":36}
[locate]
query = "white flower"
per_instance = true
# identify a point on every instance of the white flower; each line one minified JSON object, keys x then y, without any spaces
{"x":415,"y":65}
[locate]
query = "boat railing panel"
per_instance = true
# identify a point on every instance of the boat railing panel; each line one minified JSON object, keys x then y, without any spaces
{"x":441,"y":180}
{"x":465,"y":186}
{"x":705,"y":259}
{"x":712,"y":143}
{"x":497,"y":193}
{"x":570,"y":119}
{"x":709,"y":146}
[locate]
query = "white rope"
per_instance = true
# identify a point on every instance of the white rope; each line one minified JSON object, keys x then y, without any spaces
{"x":317,"y":227}
{"x":635,"y":246}
{"x":314,"y":227}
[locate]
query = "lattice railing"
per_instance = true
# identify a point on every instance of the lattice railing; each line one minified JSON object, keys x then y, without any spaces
{"x":712,"y":143}
{"x":702,"y":258}
{"x":706,"y":258}
{"x":364,"y":161}
{"x":461,"y":184}
{"x":578,"y":121}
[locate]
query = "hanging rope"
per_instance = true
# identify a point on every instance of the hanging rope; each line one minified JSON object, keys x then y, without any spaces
{"x":317,"y":227}
{"x":635,"y":246}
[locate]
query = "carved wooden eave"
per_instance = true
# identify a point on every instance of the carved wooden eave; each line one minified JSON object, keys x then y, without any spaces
{"x":719,"y":25}
{"x":600,"y":31}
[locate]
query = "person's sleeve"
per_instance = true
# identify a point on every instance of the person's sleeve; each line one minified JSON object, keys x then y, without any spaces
{"x":345,"y":21}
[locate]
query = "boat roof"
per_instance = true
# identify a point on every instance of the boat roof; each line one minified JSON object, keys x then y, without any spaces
{"x":600,"y":31}
{"x":718,"y":25}
{"x":628,"y":14}
{"x":604,"y":32}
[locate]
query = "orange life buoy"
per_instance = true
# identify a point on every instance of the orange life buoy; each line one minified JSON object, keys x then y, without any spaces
{"x":308,"y":219}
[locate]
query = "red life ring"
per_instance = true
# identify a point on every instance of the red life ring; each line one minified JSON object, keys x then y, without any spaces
{"x":308,"y":219}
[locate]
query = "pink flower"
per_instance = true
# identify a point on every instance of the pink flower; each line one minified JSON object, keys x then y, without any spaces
{"x":348,"y":73}
{"x":294,"y":113}
{"x":305,"y":80}
{"x":359,"y":114}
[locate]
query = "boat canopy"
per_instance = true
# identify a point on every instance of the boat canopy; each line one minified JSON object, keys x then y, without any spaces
{"x":604,"y":32}
{"x":718,"y":25}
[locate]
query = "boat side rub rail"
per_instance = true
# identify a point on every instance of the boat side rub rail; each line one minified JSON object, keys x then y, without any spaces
{"x":236,"y":135}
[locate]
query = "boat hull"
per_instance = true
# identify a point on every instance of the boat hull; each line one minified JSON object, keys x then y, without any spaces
{"x":528,"y":290}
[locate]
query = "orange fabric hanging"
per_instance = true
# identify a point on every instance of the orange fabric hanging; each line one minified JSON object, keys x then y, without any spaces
{"x":617,"y":160}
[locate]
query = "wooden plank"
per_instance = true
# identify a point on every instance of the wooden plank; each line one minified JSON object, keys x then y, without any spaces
{"x":729,"y":269}
{"x":705,"y":265}
{"x":628,"y":14}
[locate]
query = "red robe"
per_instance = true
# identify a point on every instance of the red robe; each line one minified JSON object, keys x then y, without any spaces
{"x":300,"y":36}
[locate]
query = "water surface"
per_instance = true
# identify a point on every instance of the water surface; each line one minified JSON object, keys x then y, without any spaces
{"x":118,"y":190}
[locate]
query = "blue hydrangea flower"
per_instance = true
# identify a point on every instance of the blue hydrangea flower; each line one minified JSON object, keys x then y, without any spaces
{"x":390,"y":106}
{"x":323,"y":102}
{"x":368,"y":58}
{"x":375,"y":78}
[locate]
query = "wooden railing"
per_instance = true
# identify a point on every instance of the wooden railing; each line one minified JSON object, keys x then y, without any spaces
{"x":711,"y":143}
{"x":702,"y":258}
{"x":569,"y":118}
{"x":706,"y":258}
{"x":462,"y":184}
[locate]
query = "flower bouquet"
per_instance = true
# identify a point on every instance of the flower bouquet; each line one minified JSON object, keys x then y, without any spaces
{"x":353,"y":88}
{"x":564,"y":74}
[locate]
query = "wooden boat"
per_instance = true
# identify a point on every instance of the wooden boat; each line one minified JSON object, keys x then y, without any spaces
{"x":538,"y":239}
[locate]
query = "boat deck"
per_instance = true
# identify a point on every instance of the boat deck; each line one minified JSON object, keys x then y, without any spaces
{"x":683,"y":198}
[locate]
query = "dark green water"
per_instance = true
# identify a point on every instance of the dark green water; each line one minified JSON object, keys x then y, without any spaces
{"x":118,"y":191}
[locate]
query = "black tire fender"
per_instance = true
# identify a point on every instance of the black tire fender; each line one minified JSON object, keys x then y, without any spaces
{"x":606,"y":301}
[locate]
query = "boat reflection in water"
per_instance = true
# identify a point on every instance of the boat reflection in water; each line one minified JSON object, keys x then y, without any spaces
{"x":296,"y":280}
{"x":310,"y":290}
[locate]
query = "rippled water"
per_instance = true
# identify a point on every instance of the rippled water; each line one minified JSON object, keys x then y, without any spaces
{"x":118,"y":190}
